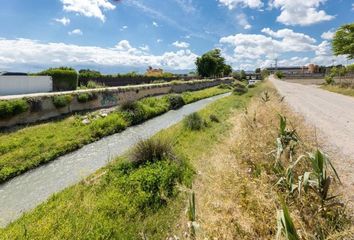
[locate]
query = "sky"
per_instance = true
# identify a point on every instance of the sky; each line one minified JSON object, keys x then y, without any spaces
{"x":130,"y":35}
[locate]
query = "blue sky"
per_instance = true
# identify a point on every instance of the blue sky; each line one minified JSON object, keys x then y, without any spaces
{"x":127,"y":35}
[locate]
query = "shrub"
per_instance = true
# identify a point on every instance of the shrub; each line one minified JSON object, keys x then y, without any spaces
{"x":214,"y":118}
{"x":176,"y":101}
{"x":194,"y":122}
{"x":93,"y":85}
{"x":111,"y":124}
{"x":152,"y":150}
{"x":64,"y":79}
{"x":11,"y":108}
{"x":133,"y":112}
{"x":224,"y":86}
{"x":329,"y":79}
{"x":279,"y":74}
{"x":61,"y":101}
{"x":252,"y":86}
{"x":239,"y":89}
{"x":86,"y":97}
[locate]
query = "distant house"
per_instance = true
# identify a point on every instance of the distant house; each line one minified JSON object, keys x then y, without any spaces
{"x":154,"y":72}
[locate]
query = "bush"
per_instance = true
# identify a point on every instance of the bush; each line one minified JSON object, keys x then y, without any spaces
{"x":133,"y":112}
{"x":176,"y":101}
{"x":61,"y":101}
{"x":93,"y":85}
{"x":64,"y":79}
{"x":12,"y":108}
{"x":240,"y":89}
{"x":111,"y":124}
{"x":252,"y":86}
{"x":86,"y":97}
{"x":194,"y":122}
{"x":329,"y":79}
{"x":279,"y":74}
{"x":214,"y":118}
{"x":224,"y":86}
{"x":151,"y":150}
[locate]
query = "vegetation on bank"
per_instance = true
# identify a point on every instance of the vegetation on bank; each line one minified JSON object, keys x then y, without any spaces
{"x":32,"y":146}
{"x":338,"y":89}
{"x":140,"y":199}
{"x":267,"y":179}
{"x":11,"y":108}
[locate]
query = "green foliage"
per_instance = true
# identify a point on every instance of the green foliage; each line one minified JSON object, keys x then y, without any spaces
{"x":34,"y":145}
{"x":212,"y":64}
{"x":214,"y":118}
{"x":133,"y":112}
{"x":176,"y":101}
{"x":93,"y":85}
{"x":224,"y":86}
{"x":11,"y":108}
{"x":111,"y":124}
{"x":319,"y":179}
{"x":342,"y":43}
{"x":239,"y":89}
{"x":329,"y":79}
{"x":61,"y":101}
{"x":265,"y":73}
{"x":286,"y":226}
{"x":86,"y":97}
{"x":194,"y":122}
{"x":152,"y":150}
{"x":64,"y":79}
{"x":287,"y":139}
{"x":279,"y":74}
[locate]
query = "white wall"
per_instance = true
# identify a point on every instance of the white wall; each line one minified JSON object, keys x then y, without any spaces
{"x":11,"y":85}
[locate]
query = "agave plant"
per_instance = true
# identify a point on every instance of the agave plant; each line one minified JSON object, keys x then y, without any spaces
{"x":286,"y":139}
{"x":319,"y":179}
{"x":288,"y":179}
{"x":286,"y":226}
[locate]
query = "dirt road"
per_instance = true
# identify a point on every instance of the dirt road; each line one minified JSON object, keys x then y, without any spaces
{"x":333,"y":116}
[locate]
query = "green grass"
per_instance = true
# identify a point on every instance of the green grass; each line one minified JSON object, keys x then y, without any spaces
{"x":338,"y":89}
{"x":128,"y":202}
{"x":32,"y":146}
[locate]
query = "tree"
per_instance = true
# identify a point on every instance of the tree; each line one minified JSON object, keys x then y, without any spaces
{"x":265,"y":73}
{"x":279,"y":74}
{"x":243,"y":75}
{"x":258,"y":70}
{"x":227,"y":70}
{"x":343,"y":41}
{"x":211,"y":64}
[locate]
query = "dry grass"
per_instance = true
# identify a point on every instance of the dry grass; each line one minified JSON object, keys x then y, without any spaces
{"x":236,"y":196}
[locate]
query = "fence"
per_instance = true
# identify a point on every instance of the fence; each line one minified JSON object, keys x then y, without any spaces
{"x":13,"y":85}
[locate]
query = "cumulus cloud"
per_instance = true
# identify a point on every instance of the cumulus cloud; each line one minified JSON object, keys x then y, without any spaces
{"x":249,"y":51}
{"x":300,"y":12}
{"x":328,"y":35}
{"x":155,"y":24}
{"x":231,"y":4}
{"x":26,"y":52}
{"x":65,"y":21}
{"x":88,"y":8}
{"x":123,"y":28}
{"x":179,"y":44}
{"x":76,"y":32}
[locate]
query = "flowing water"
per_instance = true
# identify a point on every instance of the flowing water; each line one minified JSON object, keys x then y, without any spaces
{"x":28,"y":190}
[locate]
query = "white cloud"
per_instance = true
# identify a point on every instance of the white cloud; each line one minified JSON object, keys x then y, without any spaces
{"x":300,"y":12}
{"x":249,"y":51}
{"x":159,"y":40}
{"x":76,"y":32}
{"x":65,"y":21}
{"x":328,"y":35}
{"x":145,"y":48}
{"x":231,"y":4}
{"x":26,"y":52}
{"x":353,"y":6}
{"x":123,"y":28}
{"x":88,"y":8}
{"x":242,"y":21}
{"x":179,"y":44}
{"x":155,"y":24}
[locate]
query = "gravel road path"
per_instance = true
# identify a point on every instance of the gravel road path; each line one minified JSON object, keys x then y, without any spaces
{"x":333,"y":116}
